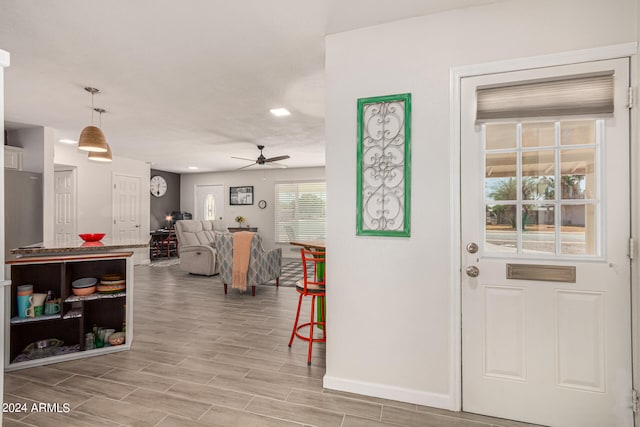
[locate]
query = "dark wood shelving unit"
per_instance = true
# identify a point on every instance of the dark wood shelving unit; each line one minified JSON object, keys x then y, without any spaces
{"x":78,"y":314}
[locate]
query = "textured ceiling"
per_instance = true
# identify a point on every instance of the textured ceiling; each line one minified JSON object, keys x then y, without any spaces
{"x":184,"y":83}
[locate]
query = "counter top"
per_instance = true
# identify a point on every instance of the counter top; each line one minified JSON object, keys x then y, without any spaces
{"x":78,"y":246}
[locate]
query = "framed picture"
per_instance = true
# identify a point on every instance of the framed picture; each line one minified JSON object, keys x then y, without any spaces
{"x":241,"y":195}
{"x":384,"y":166}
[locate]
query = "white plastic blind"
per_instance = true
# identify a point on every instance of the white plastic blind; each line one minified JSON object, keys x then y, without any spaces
{"x":573,"y":95}
{"x":300,"y":211}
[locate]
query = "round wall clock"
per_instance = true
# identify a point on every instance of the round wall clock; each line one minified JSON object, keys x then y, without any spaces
{"x":158,"y":186}
{"x":262,"y":204}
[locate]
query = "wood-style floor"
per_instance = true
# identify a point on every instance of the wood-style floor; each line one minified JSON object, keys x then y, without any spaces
{"x":201,"y":358}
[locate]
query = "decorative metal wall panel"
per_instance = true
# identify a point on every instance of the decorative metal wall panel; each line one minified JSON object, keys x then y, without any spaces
{"x":384,"y":166}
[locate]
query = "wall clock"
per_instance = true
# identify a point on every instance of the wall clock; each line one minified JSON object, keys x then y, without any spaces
{"x":158,"y":186}
{"x":262,"y":204}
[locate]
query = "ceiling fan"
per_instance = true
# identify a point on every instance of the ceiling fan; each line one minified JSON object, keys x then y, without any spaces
{"x":262,"y":160}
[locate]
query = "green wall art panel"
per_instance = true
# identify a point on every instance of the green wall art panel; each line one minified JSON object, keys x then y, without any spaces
{"x":384,"y":166}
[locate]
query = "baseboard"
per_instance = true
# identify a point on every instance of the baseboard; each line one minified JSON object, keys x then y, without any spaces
{"x":436,"y":400}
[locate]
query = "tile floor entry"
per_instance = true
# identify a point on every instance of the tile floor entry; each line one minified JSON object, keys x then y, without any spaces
{"x":201,"y":358}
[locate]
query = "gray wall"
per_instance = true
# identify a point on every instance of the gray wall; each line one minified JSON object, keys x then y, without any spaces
{"x":160,"y":207}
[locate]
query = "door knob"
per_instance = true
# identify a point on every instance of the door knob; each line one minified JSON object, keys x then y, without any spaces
{"x":472,"y":248}
{"x":473,"y":271}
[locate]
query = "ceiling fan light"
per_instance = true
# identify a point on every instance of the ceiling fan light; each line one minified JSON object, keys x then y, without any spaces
{"x":92,"y":139}
{"x":101,"y":156}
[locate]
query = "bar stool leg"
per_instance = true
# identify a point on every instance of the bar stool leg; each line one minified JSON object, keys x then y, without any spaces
{"x":311,"y":323}
{"x":324,"y":324}
{"x":295,"y":324}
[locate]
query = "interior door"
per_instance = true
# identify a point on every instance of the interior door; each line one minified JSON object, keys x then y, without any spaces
{"x":545,"y":271}
{"x":127,"y":218}
{"x":65,"y":205}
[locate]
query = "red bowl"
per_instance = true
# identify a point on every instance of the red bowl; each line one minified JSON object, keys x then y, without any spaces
{"x":92,"y":237}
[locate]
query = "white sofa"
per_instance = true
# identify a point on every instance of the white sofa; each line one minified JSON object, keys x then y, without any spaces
{"x":196,"y":244}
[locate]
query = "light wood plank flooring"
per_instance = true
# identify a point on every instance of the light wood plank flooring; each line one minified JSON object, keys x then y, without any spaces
{"x":201,"y":358}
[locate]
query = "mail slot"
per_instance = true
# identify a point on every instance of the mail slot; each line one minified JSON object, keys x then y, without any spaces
{"x":544,"y":273}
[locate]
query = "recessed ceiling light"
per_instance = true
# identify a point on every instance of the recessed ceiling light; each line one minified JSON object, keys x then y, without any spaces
{"x":280,"y":112}
{"x":193,"y":168}
{"x":68,"y":141}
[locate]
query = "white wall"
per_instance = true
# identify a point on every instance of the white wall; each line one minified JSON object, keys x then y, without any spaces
{"x":389,"y":299}
{"x":263,"y":182}
{"x":95,"y":189}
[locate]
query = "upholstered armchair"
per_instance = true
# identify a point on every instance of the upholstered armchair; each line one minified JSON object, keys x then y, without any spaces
{"x":263,"y":265}
{"x":196,"y":242}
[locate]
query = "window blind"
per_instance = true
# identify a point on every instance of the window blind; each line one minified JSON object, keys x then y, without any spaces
{"x":573,"y":95}
{"x":300,"y":211}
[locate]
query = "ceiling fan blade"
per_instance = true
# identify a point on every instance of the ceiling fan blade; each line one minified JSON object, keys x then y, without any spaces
{"x":242,"y":158}
{"x":248,"y":166}
{"x":277,"y":158}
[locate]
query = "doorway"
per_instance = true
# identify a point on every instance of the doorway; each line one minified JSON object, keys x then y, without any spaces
{"x":65,"y":210}
{"x":545,"y":227}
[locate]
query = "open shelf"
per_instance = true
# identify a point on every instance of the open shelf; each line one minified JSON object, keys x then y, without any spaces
{"x":18,"y":320}
{"x":74,"y":313}
{"x":95,"y":296}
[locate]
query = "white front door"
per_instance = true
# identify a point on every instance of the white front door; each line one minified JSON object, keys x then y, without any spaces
{"x":542,"y":200}
{"x":127,"y":218}
{"x":65,"y":205}
{"x":209,"y":202}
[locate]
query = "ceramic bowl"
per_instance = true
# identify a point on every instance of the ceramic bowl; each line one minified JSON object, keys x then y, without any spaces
{"x":116,"y":338}
{"x":92,"y":237}
{"x":84,"y":291}
{"x":84,"y":282}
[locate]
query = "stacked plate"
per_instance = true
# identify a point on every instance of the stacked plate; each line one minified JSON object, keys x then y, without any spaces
{"x":111,"y":283}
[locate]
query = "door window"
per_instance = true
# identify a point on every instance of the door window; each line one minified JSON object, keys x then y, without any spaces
{"x":541,"y":188}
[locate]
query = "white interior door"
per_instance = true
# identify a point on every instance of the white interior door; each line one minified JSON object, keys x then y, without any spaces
{"x":540,"y":199}
{"x":127,"y":218}
{"x":65,"y":221}
{"x":209,"y":202}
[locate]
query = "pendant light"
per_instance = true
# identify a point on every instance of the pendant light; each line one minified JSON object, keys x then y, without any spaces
{"x":101,"y":156}
{"x":91,"y":138}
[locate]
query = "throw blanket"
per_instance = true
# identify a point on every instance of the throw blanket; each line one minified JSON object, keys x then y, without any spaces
{"x":241,"y":255}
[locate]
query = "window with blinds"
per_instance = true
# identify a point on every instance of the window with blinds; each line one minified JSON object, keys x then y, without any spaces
{"x":300,"y":211}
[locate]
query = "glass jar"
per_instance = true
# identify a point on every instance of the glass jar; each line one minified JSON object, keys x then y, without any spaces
{"x":88,"y":341}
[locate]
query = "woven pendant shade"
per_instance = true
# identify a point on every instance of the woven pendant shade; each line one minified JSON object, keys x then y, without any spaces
{"x":101,"y":156}
{"x":92,"y":139}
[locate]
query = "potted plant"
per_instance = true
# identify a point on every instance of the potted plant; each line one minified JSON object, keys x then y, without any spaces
{"x":240,"y":220}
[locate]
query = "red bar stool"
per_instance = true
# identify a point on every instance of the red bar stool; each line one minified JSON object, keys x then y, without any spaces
{"x":313,"y":285}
